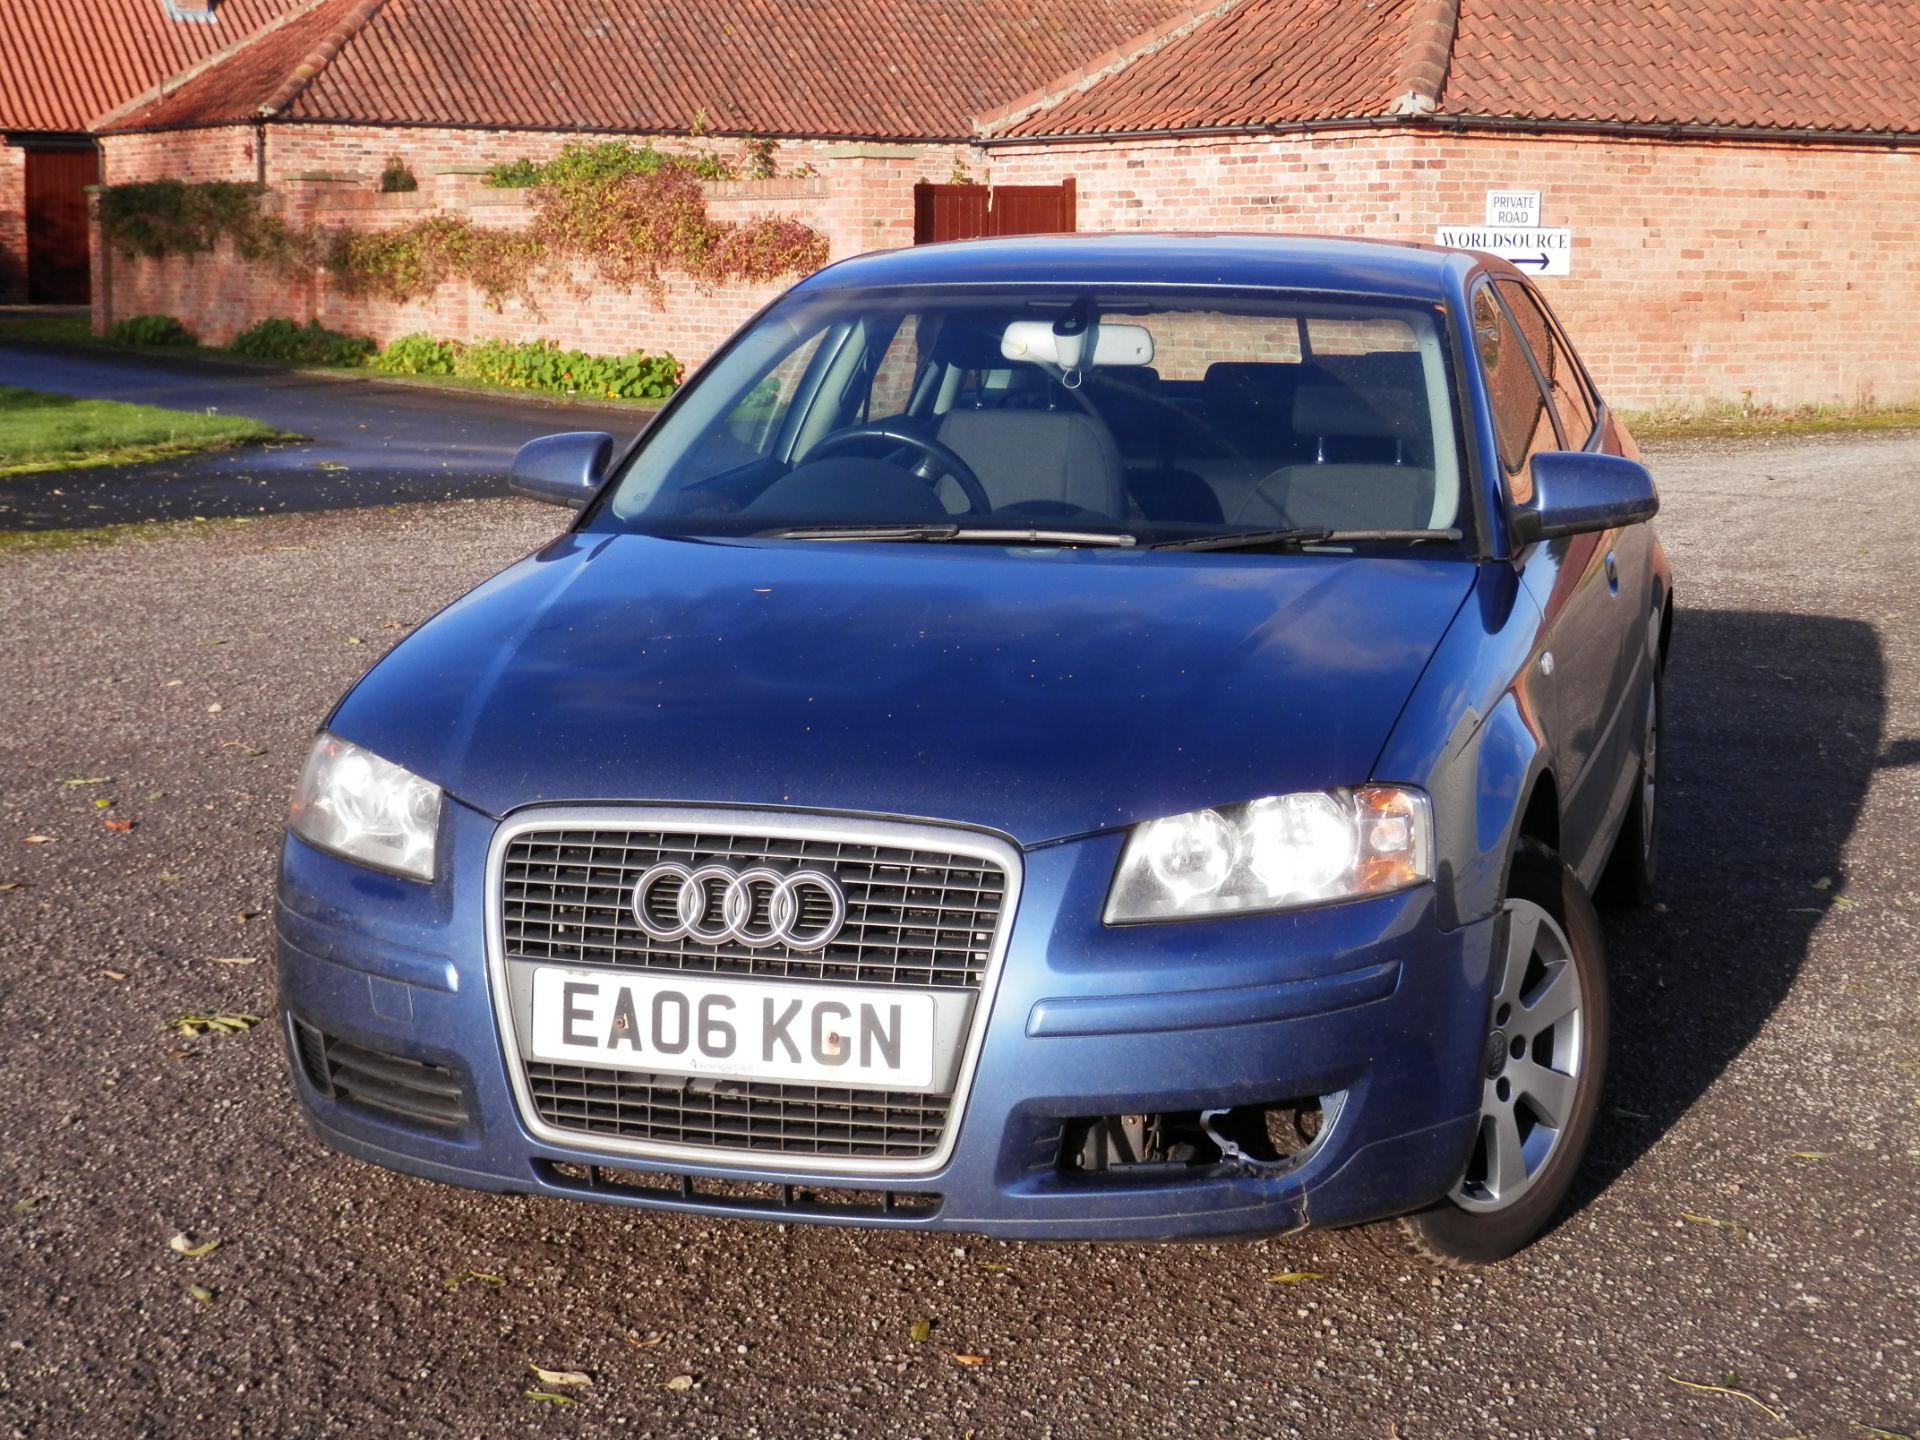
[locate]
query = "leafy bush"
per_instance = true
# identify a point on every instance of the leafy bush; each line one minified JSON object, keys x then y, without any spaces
{"x":151,"y":330}
{"x":309,"y":344}
{"x":518,"y":174}
{"x":418,"y":354}
{"x":542,"y":365}
{"x":397,"y":178}
{"x":583,"y":163}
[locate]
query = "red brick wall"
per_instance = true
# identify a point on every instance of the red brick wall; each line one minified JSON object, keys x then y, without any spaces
{"x":1701,"y":272}
{"x":860,"y":197}
{"x":13,"y":224}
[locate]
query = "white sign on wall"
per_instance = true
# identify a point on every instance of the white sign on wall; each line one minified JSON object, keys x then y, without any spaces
{"x":1513,"y":209}
{"x":1535,"y":249}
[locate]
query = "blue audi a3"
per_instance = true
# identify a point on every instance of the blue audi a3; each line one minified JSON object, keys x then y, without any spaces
{"x":1085,"y":738}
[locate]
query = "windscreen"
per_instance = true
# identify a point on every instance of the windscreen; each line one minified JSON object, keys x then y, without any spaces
{"x":1158,"y":415}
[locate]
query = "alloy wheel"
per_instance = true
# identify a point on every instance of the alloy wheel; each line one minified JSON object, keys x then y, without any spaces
{"x":1532,"y":1062}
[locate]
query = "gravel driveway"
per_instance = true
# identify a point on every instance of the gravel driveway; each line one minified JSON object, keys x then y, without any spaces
{"x":1749,"y":1221}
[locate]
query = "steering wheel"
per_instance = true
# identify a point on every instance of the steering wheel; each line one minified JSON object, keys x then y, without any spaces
{"x":936,"y":459}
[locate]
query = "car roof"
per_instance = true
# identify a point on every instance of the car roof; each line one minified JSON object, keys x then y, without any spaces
{"x":1286,"y":262}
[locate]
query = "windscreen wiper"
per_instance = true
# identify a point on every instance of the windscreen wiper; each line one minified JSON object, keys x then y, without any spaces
{"x":951,"y":534}
{"x":1298,"y":536}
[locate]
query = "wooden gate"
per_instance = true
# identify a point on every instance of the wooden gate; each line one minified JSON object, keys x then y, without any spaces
{"x":58,"y":270}
{"x":967,"y":212}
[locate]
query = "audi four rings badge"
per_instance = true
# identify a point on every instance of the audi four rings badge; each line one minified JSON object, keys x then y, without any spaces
{"x":739,"y":893}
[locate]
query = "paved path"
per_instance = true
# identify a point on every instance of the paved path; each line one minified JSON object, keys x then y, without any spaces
{"x":369,"y":443}
{"x":1750,"y":1208}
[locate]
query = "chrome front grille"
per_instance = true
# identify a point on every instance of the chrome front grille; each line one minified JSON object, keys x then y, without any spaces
{"x":915,"y":917}
{"x":926,"y":908}
{"x":734,"y":1115}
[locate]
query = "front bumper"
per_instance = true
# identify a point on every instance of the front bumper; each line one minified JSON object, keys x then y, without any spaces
{"x":1370,"y":1006}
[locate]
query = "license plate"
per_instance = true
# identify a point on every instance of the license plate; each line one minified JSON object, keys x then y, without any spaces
{"x":742,"y":1030}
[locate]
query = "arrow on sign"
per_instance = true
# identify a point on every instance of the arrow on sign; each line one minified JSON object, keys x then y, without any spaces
{"x":1539,"y":262}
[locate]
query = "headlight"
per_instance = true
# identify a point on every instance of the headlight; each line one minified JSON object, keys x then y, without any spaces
{"x":1278,"y":853}
{"x":355,"y":804}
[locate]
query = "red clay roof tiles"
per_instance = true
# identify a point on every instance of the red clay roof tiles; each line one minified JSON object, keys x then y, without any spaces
{"x":828,"y":68}
{"x":1845,"y":66}
{"x":65,"y":63}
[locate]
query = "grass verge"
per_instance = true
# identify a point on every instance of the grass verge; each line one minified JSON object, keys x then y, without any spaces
{"x":74,"y":332}
{"x":40,"y":432}
{"x":1726,"y":421}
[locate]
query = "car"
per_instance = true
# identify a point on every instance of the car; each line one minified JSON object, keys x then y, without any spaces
{"x":1093,"y":737}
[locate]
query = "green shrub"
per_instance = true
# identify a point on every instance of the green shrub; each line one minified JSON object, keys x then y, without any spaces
{"x":397,"y":178}
{"x":151,"y":330}
{"x":541,"y":365}
{"x":518,"y":174}
{"x":309,"y":344}
{"x":581,"y":163}
{"x":418,"y":354}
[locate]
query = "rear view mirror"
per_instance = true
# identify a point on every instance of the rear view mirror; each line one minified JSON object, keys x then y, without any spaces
{"x":1112,"y":344}
{"x":562,"y":469}
{"x":1576,"y":492}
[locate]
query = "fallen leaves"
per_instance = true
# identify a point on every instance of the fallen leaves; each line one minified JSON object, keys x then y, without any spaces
{"x":1739,"y":1232}
{"x":234,"y":959}
{"x":679,"y":1383}
{"x":26,"y":1203}
{"x":200,"y":1294}
{"x":560,"y":1379}
{"x":969,"y":1360}
{"x":920,"y":1331}
{"x":1295,"y":1277}
{"x":40,"y":840}
{"x":1730,"y":1390}
{"x":548,"y":1397}
{"x":121,"y":827}
{"x":454,"y":1282}
{"x":1813,"y":1154}
{"x":212,"y":1023}
{"x":10,"y":885}
{"x":182,"y":1244}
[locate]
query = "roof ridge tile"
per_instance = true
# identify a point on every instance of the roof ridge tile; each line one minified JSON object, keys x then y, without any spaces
{"x":1431,"y":27}
{"x":1174,"y":28}
{"x":316,"y":60}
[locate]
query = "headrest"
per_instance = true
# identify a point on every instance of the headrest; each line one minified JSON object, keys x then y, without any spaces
{"x":1245,"y":381}
{"x":1338,"y":410}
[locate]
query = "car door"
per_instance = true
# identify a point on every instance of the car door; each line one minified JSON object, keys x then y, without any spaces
{"x":1566,"y":577}
{"x":1625,"y":556}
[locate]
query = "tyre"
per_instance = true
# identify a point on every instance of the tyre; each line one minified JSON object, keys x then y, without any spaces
{"x":1634,"y":864}
{"x":1545,"y":1061}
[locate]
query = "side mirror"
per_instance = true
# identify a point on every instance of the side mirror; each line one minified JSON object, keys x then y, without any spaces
{"x":1575,"y":492}
{"x":562,"y":469}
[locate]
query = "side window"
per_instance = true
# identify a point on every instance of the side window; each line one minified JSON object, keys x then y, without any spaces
{"x":893,"y":377}
{"x":1565,"y":384}
{"x":755,"y":421}
{"x":1522,"y":420}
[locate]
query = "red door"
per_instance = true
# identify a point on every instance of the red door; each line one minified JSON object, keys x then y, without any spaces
{"x":966,"y":212}
{"x":58,"y":268}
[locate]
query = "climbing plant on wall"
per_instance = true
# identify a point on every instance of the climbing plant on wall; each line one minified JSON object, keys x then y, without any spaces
{"x":629,"y":223}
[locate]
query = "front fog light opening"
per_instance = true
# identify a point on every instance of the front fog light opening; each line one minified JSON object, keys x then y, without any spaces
{"x":1272,"y":1137}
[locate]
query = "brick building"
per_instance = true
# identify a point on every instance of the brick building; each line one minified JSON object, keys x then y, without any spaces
{"x":1731,"y":186}
{"x":63,"y":64}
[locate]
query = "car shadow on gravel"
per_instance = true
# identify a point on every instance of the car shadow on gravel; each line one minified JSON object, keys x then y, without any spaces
{"x":1773,"y":732}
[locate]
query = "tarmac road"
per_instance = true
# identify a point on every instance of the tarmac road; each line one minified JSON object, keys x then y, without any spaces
{"x":367,"y":442}
{"x":1749,"y":1220}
